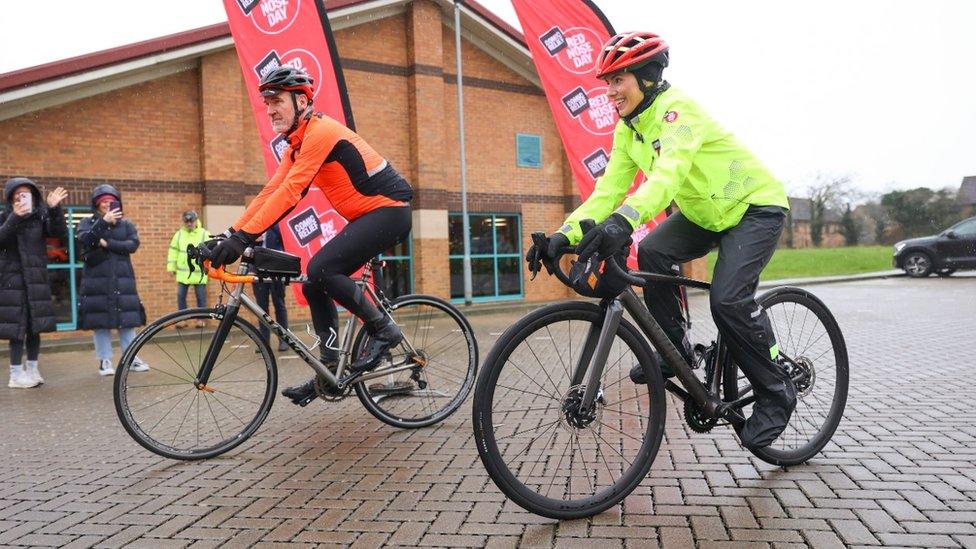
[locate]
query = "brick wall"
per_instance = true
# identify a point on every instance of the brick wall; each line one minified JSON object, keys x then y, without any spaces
{"x":189,"y":140}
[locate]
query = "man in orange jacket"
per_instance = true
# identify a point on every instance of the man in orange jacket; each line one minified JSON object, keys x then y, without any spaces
{"x":361,"y":185}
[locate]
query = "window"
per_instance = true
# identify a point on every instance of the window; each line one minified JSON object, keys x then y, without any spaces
{"x":64,"y":270}
{"x":528,"y":150}
{"x":496,"y":256}
{"x":398,"y":273}
{"x":966,"y":228}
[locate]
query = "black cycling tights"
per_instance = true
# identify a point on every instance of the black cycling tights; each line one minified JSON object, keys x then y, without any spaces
{"x":329,"y":269}
{"x":17,"y":348}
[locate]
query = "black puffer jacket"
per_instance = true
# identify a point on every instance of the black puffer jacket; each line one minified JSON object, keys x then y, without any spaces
{"x":108,"y":298}
{"x":25,"y":291}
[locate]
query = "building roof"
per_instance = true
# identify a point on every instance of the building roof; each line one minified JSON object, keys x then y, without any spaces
{"x":35,"y":88}
{"x":967,"y":191}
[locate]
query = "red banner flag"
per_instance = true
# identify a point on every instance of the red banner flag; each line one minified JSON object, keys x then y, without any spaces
{"x":271,"y":33}
{"x":565,"y":38}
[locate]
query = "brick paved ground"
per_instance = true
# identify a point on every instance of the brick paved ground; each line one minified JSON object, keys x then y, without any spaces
{"x":901,"y":470}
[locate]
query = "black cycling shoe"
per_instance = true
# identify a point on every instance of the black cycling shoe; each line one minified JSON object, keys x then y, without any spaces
{"x":301,"y":394}
{"x":637,"y":372}
{"x":386,"y":337}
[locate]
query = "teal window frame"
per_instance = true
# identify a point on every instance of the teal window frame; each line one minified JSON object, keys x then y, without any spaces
{"x":525,"y":140}
{"x":494,"y":256}
{"x":73,"y":266}
{"x":409,"y":260}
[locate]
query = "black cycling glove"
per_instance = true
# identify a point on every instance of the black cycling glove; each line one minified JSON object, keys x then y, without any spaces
{"x":606,"y":239}
{"x":230,"y":249}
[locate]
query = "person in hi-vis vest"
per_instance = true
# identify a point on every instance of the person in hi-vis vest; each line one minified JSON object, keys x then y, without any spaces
{"x":189,"y":233}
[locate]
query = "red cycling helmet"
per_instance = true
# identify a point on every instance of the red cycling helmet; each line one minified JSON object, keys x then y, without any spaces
{"x":287,"y":78}
{"x":629,"y":51}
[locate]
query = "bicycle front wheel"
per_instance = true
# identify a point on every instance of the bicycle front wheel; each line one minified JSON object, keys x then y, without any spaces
{"x":167,"y":414}
{"x":808,"y":335}
{"x":448,"y":351}
{"x":536,"y":445}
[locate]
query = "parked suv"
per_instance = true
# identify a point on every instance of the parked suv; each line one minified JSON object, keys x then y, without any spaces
{"x":952,"y":249}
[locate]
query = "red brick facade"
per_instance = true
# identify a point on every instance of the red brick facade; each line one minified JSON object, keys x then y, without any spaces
{"x":189,"y":141}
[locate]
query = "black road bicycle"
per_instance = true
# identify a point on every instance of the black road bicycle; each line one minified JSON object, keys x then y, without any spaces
{"x":213,"y":384}
{"x":564,"y":432}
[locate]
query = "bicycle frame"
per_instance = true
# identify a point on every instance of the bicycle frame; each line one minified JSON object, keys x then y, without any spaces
{"x":596,"y":349}
{"x":237,"y":298}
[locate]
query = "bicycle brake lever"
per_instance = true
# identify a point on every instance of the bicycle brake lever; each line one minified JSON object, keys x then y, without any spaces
{"x":540,"y":242}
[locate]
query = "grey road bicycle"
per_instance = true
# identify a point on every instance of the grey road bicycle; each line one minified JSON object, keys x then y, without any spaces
{"x":212,"y":384}
{"x":565,"y":433}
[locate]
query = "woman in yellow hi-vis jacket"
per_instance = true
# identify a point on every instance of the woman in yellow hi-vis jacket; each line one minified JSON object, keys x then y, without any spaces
{"x":727,"y":199}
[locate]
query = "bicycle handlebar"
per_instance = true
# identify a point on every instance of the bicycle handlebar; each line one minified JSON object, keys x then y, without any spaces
{"x":221,"y":274}
{"x":201,"y":254}
{"x":552,"y":264}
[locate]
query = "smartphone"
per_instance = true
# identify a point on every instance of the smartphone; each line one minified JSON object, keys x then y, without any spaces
{"x":27,"y":199}
{"x":115,"y":205}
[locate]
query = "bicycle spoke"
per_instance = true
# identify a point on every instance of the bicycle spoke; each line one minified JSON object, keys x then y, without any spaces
{"x":218,"y":401}
{"x":536,"y":383}
{"x":225,"y":392}
{"x":239,"y":368}
{"x":527,"y":430}
{"x":541,"y":365}
{"x":161,"y":401}
{"x":180,"y":366}
{"x":214,"y":416}
{"x":153,"y":428}
{"x":188,"y":408}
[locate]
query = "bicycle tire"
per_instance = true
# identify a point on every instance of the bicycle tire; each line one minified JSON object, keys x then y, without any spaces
{"x":444,"y":377}
{"x":483,"y":413}
{"x":811,"y":304}
{"x":154,"y":336}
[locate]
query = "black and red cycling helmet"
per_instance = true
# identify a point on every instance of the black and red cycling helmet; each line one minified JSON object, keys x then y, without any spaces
{"x":287,"y":78}
{"x":631,"y":51}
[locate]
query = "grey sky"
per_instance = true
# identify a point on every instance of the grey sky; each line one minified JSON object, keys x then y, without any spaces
{"x":881,"y":89}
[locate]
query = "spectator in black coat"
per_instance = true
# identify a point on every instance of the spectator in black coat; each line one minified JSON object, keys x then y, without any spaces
{"x":274,"y":290}
{"x":26,"y":309}
{"x":108,"y":297}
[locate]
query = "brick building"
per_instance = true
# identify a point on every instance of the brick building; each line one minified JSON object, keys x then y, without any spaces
{"x":966,"y":197}
{"x":797,"y":232}
{"x":168,"y":122}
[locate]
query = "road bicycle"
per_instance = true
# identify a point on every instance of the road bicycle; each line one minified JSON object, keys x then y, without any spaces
{"x":565,"y":433}
{"x":211,"y":388}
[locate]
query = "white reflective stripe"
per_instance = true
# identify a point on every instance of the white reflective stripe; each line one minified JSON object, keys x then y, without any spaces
{"x":565,"y":229}
{"x":629,"y":212}
{"x":757,"y":313}
{"x":378,"y":169}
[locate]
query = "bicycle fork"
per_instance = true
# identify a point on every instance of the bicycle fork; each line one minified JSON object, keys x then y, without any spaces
{"x":599,"y":339}
{"x":596,"y":349}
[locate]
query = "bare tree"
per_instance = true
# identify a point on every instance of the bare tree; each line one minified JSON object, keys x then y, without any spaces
{"x":828,"y":191}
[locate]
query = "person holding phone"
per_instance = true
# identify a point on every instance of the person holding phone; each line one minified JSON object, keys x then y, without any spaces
{"x":25,"y":222}
{"x":108,"y":298}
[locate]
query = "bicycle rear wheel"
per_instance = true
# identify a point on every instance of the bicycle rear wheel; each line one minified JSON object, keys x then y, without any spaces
{"x":167,"y":414}
{"x":428,"y":394}
{"x":536,"y":446}
{"x":808,"y":335}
